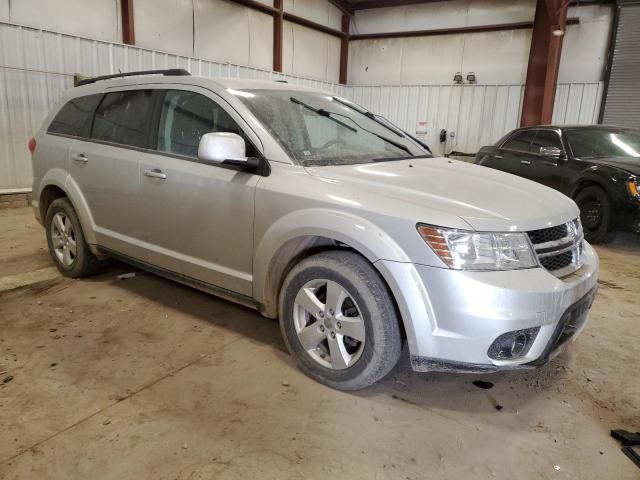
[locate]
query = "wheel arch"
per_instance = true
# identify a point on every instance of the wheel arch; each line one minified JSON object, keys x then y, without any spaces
{"x":290,"y":239}
{"x":57,"y":184}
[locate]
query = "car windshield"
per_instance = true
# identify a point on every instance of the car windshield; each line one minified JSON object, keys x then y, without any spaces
{"x":601,"y":143}
{"x":317,"y":129}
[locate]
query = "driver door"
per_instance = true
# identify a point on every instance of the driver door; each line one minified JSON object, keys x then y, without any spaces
{"x":198,"y":216}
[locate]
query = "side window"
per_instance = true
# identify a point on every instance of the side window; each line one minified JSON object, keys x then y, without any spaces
{"x":186,"y":116}
{"x":122,"y":118}
{"x":521,"y":141}
{"x":75,"y":117}
{"x":546,"y":138}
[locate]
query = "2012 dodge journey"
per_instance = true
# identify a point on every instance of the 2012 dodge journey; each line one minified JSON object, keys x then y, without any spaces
{"x":311,"y":209}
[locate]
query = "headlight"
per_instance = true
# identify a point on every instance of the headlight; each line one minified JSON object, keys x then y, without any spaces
{"x":632,"y":187}
{"x":463,"y":250}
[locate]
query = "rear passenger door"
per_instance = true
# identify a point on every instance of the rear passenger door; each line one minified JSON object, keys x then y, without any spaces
{"x":106,"y":167}
{"x":198,"y":216}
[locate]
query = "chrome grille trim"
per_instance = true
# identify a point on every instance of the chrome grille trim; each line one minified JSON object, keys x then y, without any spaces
{"x":547,"y":252}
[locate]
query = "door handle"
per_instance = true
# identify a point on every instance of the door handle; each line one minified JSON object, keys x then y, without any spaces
{"x":80,"y":157}
{"x":155,"y":173}
{"x":498,"y":157}
{"x":525,"y":162}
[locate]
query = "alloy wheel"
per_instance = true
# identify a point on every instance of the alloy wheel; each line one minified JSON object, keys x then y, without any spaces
{"x":63,"y":239}
{"x":329,"y":324}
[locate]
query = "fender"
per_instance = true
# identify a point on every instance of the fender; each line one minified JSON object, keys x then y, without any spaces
{"x":593,"y":174}
{"x":61,"y":179}
{"x":391,"y":261}
{"x":359,"y":234}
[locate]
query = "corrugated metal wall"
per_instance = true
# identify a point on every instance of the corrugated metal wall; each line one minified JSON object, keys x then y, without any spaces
{"x":622,"y":104}
{"x":477,"y":114}
{"x":36,"y":66}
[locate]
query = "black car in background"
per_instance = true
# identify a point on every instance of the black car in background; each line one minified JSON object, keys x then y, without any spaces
{"x":596,"y":165}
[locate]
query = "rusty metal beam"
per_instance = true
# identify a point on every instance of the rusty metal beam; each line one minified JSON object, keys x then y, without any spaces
{"x":278,"y":22}
{"x":389,"y":3}
{"x":452,"y":31}
{"x":290,"y":17}
{"x":128,"y":30}
{"x":343,"y":5}
{"x":257,"y":6}
{"x":344,"y":48}
{"x":544,"y":62}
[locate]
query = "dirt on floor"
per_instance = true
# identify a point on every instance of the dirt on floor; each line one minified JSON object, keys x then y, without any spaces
{"x":144,"y":378}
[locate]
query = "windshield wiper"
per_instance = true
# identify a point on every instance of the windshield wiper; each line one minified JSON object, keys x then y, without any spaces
{"x":323,"y":113}
{"x":369,"y":115}
{"x":393,"y":159}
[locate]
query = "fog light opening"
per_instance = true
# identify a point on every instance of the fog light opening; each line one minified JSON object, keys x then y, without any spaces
{"x":512,"y":345}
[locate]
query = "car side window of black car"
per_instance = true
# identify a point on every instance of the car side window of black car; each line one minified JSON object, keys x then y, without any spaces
{"x":520,"y":141}
{"x":546,"y":138}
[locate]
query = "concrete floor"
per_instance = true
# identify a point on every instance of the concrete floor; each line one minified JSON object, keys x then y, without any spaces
{"x":146,"y":379}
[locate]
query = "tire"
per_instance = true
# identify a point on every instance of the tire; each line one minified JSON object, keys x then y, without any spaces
{"x":376,"y":344}
{"x":60,"y":239}
{"x":595,"y":214}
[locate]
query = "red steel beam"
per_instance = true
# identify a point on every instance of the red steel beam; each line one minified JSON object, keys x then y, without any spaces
{"x":278,"y":22}
{"x":290,"y":17}
{"x":128,"y":30}
{"x":344,"y":48}
{"x":544,"y":62}
{"x":452,"y":31}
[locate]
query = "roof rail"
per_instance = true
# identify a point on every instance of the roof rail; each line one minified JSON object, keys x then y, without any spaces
{"x":170,"y":72}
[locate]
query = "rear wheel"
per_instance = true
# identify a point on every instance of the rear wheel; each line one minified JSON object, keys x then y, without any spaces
{"x":338,"y":320}
{"x":66,"y":241}
{"x":595,"y":214}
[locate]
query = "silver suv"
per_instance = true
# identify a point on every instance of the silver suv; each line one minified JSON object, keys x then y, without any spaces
{"x":312,"y":210}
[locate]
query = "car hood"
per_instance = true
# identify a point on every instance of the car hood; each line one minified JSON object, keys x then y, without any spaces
{"x":486,"y":199}
{"x":630,"y":164}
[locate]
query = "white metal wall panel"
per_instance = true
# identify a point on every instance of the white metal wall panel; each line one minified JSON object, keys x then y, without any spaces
{"x":324,"y":60}
{"x":98,"y":19}
{"x":497,"y":58}
{"x":622,"y":105}
{"x":451,"y":14}
{"x":37,"y":66}
{"x":165,"y":25}
{"x":245,"y":36}
{"x":319,"y":11}
{"x":476,"y":114}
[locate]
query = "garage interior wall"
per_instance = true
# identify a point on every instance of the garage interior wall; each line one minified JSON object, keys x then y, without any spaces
{"x":416,"y":91}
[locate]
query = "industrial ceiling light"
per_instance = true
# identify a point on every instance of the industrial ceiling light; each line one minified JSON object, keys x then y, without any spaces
{"x":457,"y":78}
{"x":471,"y":77}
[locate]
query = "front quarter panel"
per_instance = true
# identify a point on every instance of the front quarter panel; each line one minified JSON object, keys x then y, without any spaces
{"x":291,"y":204}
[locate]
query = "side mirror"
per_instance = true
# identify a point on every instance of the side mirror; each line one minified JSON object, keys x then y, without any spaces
{"x":222,"y":147}
{"x":550,"y":152}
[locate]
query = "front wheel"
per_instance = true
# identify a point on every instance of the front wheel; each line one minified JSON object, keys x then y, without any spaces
{"x":338,"y":320}
{"x":595,"y":214}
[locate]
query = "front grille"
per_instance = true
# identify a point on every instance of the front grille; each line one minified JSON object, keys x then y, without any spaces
{"x":548,"y":234}
{"x":556,"y":262}
{"x":559,"y":248}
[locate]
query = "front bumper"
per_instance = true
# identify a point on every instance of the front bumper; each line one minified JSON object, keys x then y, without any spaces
{"x":452,"y":317}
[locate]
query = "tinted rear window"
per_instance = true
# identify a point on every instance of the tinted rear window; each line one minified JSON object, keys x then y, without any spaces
{"x":122,"y":118}
{"x":75,"y":117}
